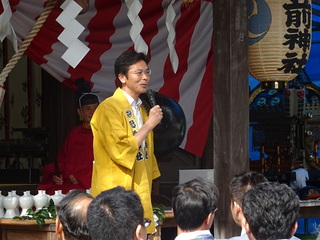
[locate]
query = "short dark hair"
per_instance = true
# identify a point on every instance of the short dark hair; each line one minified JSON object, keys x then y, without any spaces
{"x":72,"y":218}
{"x":126,"y":59}
{"x":241,"y":183}
{"x":114,"y":214}
{"x":271,"y":210}
{"x":193,"y":201}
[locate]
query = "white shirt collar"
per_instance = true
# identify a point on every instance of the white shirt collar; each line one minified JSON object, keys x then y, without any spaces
{"x":192,"y":235}
{"x":131,"y":101}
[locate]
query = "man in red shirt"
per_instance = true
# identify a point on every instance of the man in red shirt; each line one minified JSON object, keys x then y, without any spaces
{"x":75,"y":158}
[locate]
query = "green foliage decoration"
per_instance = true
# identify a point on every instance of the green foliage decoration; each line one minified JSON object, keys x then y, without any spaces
{"x":159,"y":212}
{"x":47,"y":212}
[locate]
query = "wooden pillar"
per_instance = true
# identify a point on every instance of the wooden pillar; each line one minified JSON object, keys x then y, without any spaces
{"x":231,"y":108}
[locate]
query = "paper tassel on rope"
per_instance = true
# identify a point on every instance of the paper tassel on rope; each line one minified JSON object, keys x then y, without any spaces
{"x":134,"y":7}
{"x":72,"y":29}
{"x":171,"y":39}
{"x":22,"y":48}
{"x":6,"y":29}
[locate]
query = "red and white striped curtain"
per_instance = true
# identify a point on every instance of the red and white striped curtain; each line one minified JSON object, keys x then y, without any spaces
{"x":178,"y":39}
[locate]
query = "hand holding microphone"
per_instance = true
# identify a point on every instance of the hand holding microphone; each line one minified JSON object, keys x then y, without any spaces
{"x":151,"y":97}
{"x":155,"y":113}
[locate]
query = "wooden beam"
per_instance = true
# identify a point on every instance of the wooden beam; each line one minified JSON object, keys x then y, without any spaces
{"x":231,"y":109}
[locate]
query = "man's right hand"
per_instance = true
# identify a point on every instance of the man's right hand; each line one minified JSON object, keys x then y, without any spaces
{"x":58,"y":179}
{"x":155,"y":116}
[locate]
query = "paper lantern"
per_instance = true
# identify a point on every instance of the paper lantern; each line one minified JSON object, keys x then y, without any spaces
{"x":279,"y":38}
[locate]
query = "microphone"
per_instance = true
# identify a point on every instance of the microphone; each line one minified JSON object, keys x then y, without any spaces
{"x":151,"y":97}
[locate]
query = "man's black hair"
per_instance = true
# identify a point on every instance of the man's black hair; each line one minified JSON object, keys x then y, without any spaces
{"x":192,"y":202}
{"x":72,"y":217}
{"x":115,"y":214}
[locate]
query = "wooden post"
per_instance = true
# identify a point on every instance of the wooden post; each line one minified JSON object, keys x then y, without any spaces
{"x":231,"y":105}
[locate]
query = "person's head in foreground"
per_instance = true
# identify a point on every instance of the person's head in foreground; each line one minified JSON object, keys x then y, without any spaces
{"x":271,"y":211}
{"x":71,"y":221}
{"x":238,"y":186}
{"x":194,"y":204}
{"x":117,"y":214}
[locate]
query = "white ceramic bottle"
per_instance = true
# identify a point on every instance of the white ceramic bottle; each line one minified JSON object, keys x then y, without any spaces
{"x":16,"y":210}
{"x":40,"y":200}
{"x":1,"y":206}
{"x":10,"y":202}
{"x":60,"y":192}
{"x":25,"y":202}
{"x":57,"y":197}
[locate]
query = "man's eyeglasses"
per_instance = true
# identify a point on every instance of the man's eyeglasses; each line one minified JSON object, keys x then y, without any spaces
{"x":140,"y":72}
{"x":146,"y":222}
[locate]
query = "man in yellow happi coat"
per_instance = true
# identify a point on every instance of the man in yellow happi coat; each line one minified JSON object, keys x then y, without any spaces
{"x":123,"y":138}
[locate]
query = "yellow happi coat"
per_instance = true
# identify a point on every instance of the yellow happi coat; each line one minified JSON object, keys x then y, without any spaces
{"x":115,"y":150}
